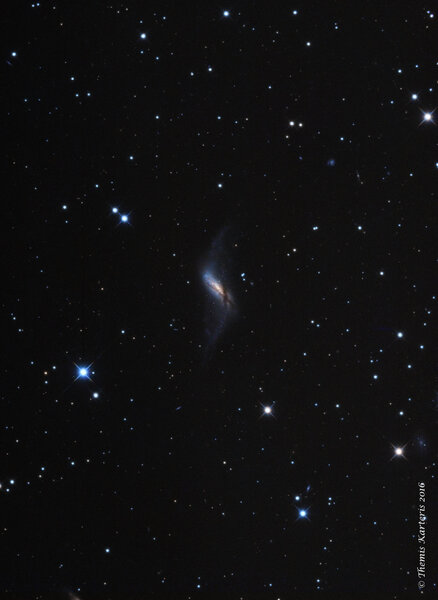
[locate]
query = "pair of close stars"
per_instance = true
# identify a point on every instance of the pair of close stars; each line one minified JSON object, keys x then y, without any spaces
{"x":123,"y":218}
{"x":84,"y":373}
{"x":427,"y":116}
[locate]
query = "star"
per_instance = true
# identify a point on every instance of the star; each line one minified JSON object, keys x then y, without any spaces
{"x":124,"y":218}
{"x":303,"y":513}
{"x":226,"y":13}
{"x":83,"y":372}
{"x":428,"y":117}
{"x":267,"y":410}
{"x":399,"y":451}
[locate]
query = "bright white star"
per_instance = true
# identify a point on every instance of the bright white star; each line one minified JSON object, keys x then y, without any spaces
{"x":399,"y":451}
{"x":303,"y":513}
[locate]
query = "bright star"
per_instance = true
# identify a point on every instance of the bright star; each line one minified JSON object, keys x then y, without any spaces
{"x":226,"y":13}
{"x":400,"y":334}
{"x":399,"y":451}
{"x":124,"y":218}
{"x":83,"y":372}
{"x":428,"y":116}
{"x":414,"y":96}
{"x":115,"y":210}
{"x":303,"y":513}
{"x":143,"y":36}
{"x":267,"y":410}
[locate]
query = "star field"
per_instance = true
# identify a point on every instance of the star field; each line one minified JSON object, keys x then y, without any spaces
{"x":219,"y":299}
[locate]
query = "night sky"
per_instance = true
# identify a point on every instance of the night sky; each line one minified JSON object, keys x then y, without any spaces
{"x":219,"y":367}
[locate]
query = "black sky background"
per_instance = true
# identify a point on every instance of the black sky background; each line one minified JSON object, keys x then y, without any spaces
{"x":177,"y":471}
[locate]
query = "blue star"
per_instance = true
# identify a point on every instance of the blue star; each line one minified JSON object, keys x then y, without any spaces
{"x":303,"y":513}
{"x":83,"y":372}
